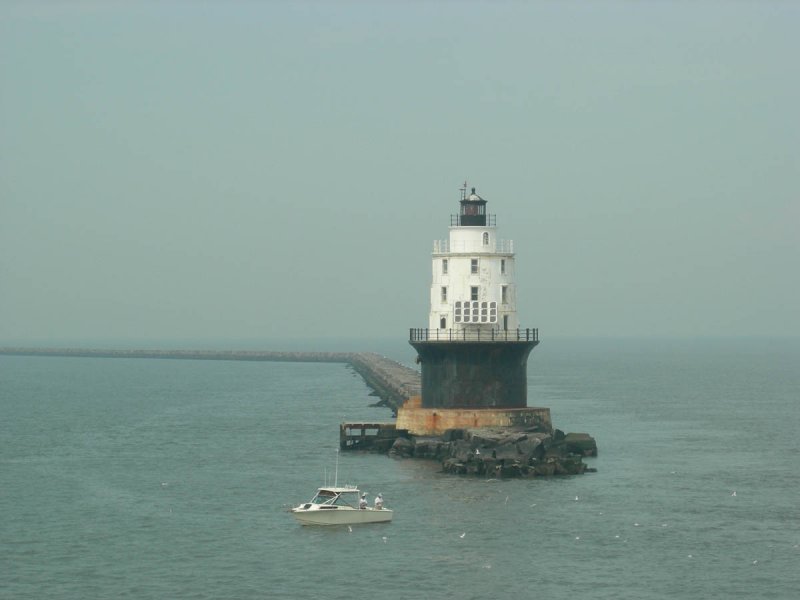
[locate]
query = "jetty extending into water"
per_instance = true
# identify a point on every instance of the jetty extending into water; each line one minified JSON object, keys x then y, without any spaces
{"x":390,"y":381}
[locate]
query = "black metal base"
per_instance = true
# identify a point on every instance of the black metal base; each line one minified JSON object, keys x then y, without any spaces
{"x":474,"y":374}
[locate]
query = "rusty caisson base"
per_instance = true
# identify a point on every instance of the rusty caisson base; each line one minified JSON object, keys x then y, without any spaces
{"x":418,"y":420}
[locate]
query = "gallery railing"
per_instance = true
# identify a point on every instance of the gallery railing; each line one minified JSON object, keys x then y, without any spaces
{"x":473,"y":335}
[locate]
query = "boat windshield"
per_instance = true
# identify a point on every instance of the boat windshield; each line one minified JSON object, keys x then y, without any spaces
{"x":333,"y":499}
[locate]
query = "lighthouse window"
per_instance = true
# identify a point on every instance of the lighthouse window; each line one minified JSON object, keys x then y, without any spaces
{"x":444,"y":293}
{"x":502,"y":266}
{"x":444,"y":266}
{"x":504,"y":291}
{"x":475,"y":312}
{"x":485,"y":239}
{"x":443,"y":323}
{"x":466,"y":318}
{"x":474,"y":266}
{"x":473,"y":292}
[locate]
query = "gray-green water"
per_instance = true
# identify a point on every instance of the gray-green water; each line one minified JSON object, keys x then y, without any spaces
{"x":170,"y":479}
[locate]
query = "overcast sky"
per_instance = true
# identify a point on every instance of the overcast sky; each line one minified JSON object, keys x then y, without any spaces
{"x":252,"y":171}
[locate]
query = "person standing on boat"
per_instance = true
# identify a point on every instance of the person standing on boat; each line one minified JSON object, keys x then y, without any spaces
{"x":363,"y":502}
{"x":379,"y":502}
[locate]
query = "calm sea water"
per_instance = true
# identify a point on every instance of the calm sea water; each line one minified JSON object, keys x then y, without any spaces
{"x":171,"y":479}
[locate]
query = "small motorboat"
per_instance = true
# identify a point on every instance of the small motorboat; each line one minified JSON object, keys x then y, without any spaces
{"x":339,"y":506}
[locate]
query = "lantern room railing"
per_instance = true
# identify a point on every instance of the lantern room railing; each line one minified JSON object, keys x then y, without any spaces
{"x":473,"y":335}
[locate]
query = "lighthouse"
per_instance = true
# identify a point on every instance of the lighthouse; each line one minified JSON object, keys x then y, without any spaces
{"x":473,"y":354}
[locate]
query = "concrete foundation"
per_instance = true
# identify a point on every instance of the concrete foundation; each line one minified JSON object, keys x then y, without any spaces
{"x":419,"y":420}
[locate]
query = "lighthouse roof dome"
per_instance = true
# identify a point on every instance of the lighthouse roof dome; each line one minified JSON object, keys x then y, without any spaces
{"x":473,"y":197}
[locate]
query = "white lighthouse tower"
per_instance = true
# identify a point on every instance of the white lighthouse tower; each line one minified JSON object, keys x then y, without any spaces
{"x":473,"y":354}
{"x":472,"y":288}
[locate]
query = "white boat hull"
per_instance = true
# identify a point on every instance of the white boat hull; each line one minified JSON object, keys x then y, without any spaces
{"x":343,"y":515}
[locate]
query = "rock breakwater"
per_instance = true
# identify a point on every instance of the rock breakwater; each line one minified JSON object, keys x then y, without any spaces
{"x":502,"y":452}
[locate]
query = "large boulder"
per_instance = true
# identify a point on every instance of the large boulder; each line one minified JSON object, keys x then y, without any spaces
{"x":544,"y":468}
{"x":485,"y":437}
{"x":533,"y":446}
{"x":461,"y":450}
{"x":402,"y":448}
{"x":570,"y":465}
{"x":580,"y":443}
{"x":429,"y":447}
{"x":451,"y":465}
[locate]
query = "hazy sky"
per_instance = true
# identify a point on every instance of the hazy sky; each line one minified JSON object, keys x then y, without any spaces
{"x":262,"y":170}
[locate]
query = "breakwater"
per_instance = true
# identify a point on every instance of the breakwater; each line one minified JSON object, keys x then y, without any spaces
{"x":390,"y":381}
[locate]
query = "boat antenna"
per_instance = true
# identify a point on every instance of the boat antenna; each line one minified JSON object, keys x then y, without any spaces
{"x":336,"y":477}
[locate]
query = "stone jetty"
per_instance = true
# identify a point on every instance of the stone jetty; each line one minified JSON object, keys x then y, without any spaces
{"x":336,"y":357}
{"x":390,"y":381}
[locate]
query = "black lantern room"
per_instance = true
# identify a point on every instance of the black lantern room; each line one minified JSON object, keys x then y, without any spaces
{"x":473,"y":210}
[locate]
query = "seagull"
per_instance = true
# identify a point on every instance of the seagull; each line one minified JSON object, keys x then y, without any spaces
{"x":577,"y":537}
{"x":733,"y":493}
{"x":576,"y":498}
{"x":384,"y":539}
{"x":635,"y":524}
{"x":164,"y":484}
{"x":755,"y":562}
{"x":477,"y":451}
{"x":463,"y":534}
{"x":690,"y":556}
{"x":350,"y":529}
